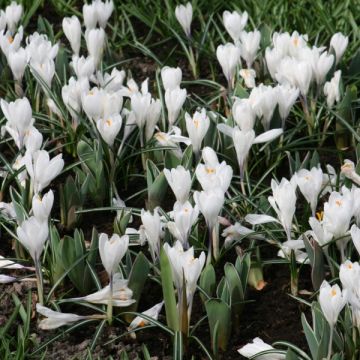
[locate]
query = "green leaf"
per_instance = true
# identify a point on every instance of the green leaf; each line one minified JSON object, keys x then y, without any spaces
{"x":310,"y":337}
{"x":207,"y":281}
{"x":178,"y":346}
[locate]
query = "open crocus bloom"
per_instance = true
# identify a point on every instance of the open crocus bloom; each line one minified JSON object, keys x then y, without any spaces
{"x":140,"y":321}
{"x":257,"y":346}
{"x":294,"y":245}
{"x":122,"y":295}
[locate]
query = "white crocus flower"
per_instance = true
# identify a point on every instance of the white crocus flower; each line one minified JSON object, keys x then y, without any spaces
{"x":95,"y":41}
{"x":332,"y":89}
{"x":41,"y":169}
{"x":257,"y":346}
{"x":171,"y":77}
{"x":172,"y":138}
{"x":11,"y":265}
{"x":287,"y":247}
{"x":213,"y":174}
{"x":40,"y":49}
{"x":286,"y":98}
{"x":2,"y":20}
{"x":249,"y":45}
{"x":113,"y":81}
{"x":235,"y":23}
{"x":184,"y":15}
{"x":174,"y":100}
{"x":228,"y":56}
{"x":121,"y":295}
{"x":104,"y":11}
{"x":273,"y":58}
{"x":18,"y":61}
{"x":83,"y":67}
{"x":19,"y":118}
{"x":41,"y":207}
{"x":72,"y":30}
{"x":310,"y":185}
{"x":109,"y":128}
{"x":339,"y":43}
{"x":9,"y":42}
{"x":319,"y":232}
{"x":248,"y":76}
{"x":152,"y":118}
{"x":112,"y":251}
{"x":92,"y":103}
{"x":237,"y":232}
{"x":197,"y":127}
{"x":45,"y":70}
{"x":140,"y":321}
{"x":283,"y":201}
{"x":185,"y":217}
{"x":13,"y":13}
{"x":6,"y":279}
{"x":321,"y":65}
{"x":243,"y":114}
{"x":8,"y":210}
{"x":152,"y":230}
{"x":355,"y":236}
{"x":348,"y":170}
{"x":33,"y":234}
{"x":179,"y":180}
{"x":56,"y":319}
{"x":33,"y":140}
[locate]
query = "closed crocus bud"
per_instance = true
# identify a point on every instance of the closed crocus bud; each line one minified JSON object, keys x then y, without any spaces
{"x":332,"y":89}
{"x":95,"y":41}
{"x":283,"y":201}
{"x":339,"y":43}
{"x":235,"y":23}
{"x":248,"y":76}
{"x":152,"y":230}
{"x":33,"y":140}
{"x":210,"y":203}
{"x":332,"y":300}
{"x":152,"y":118}
{"x":243,"y":114}
{"x":185,"y":217}
{"x":171,"y":77}
{"x":109,"y":128}
{"x":249,"y":45}
{"x":321,"y":65}
{"x":112,"y":251}
{"x":56,"y":319}
{"x":45,"y":70}
{"x":19,"y":117}
{"x":90,"y":15}
{"x":92,"y":102}
{"x":17,"y":61}
{"x":33,"y":234}
{"x":13,"y":14}
{"x":179,"y":180}
{"x":41,"y":206}
{"x":310,"y":185}
{"x":243,"y":141}
{"x":72,"y":30}
{"x":273,"y":58}
{"x":41,"y":169}
{"x":197,"y":127}
{"x":228,"y":56}
{"x":104,"y":11}
{"x":174,"y":100}
{"x":140,"y":105}
{"x":258,"y":346}
{"x":349,"y":275}
{"x":184,"y":15}
{"x":355,"y":236}
{"x":297,"y":44}
{"x":286,"y":98}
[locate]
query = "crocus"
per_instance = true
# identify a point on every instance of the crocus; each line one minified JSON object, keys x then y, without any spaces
{"x":339,"y":43}
{"x":152,"y":230}
{"x":171,"y":77}
{"x":197,"y":127}
{"x":243,"y":114}
{"x":321,"y":65}
{"x":332,"y":89}
{"x":235,"y":23}
{"x":355,"y":236}
{"x":72,"y":30}
{"x":179,"y":180}
{"x":185,"y":217}
{"x":286,"y":98}
{"x":109,"y":128}
{"x":257,"y":346}
{"x":112,"y":251}
{"x":19,"y":117}
{"x":41,"y":169}
{"x":43,"y":71}
{"x":83,"y":67}
{"x":184,"y":15}
{"x":174,"y":100}
{"x":249,"y":45}
{"x":228,"y":56}
{"x":13,"y":13}
{"x":18,"y":61}
{"x":95,"y":41}
{"x":153,"y":313}
{"x":41,"y":207}
{"x":248,"y":76}
{"x":310,"y":185}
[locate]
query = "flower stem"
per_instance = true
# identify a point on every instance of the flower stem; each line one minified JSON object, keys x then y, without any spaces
{"x":39,"y":281}
{"x":209,"y":255}
{"x":110,"y":302}
{"x":330,"y":342}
